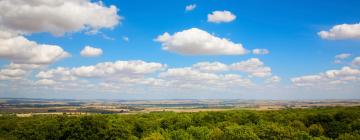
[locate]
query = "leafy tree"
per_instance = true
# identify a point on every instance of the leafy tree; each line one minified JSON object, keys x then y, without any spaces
{"x":199,"y":133}
{"x":180,"y":135}
{"x":298,"y":125}
{"x":316,"y":130}
{"x":216,"y":134}
{"x":155,"y":136}
{"x":347,"y":136}
{"x":237,"y":132}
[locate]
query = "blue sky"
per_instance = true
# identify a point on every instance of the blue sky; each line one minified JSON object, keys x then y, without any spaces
{"x":287,"y":29}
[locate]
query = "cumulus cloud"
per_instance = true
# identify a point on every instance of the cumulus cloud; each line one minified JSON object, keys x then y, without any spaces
{"x":273,"y":80}
{"x":14,"y":71}
{"x":188,"y":77}
{"x":356,"y":61}
{"x":24,"y":66}
{"x":330,"y":77}
{"x":45,"y":82}
{"x":56,"y":17}
{"x":131,"y":74}
{"x":124,"y":68}
{"x":20,"y":50}
{"x":195,"y":41}
{"x":340,"y":57}
{"x":89,"y":51}
{"x":342,"y":31}
{"x":106,"y":69}
{"x":221,"y":16}
{"x":7,"y":74}
{"x":59,"y":73}
{"x":210,"y":67}
{"x":260,"y":51}
{"x":190,"y":7}
{"x":254,"y":66}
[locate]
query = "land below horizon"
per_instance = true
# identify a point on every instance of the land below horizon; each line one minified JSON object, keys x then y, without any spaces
{"x":28,"y":107}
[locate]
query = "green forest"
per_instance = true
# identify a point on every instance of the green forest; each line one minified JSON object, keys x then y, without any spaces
{"x":341,"y":123}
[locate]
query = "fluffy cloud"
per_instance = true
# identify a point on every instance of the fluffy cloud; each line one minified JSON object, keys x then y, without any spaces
{"x":45,"y":82}
{"x":330,"y":77}
{"x":254,"y":66}
{"x":342,"y":56}
{"x":20,"y":50}
{"x":105,"y":69}
{"x":188,"y":77}
{"x":221,"y":16}
{"x":14,"y":71}
{"x":89,"y":51}
{"x":198,"y":42}
{"x":190,"y":7}
{"x":343,"y":31}
{"x":260,"y":51}
{"x":60,"y":73}
{"x":123,"y":68}
{"x":273,"y":79}
{"x":210,"y":66}
{"x":356,"y":61}
{"x":7,"y":74}
{"x":130,"y":75}
{"x":24,"y":66}
{"x":56,"y":17}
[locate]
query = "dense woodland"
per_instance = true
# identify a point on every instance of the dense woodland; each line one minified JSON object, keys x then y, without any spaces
{"x":301,"y":124}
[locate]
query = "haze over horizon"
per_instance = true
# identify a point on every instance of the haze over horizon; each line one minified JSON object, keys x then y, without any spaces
{"x":229,"y":49}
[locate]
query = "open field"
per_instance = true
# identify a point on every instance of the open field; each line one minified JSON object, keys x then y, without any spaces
{"x":28,"y":107}
{"x":328,"y":123}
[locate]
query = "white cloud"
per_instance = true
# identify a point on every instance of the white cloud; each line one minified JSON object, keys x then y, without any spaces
{"x":190,"y":78}
{"x":260,"y":51}
{"x":20,"y":50}
{"x":356,"y":61}
{"x":14,"y":71}
{"x":254,"y":66}
{"x":24,"y":66}
{"x":59,"y":73}
{"x":190,"y":7}
{"x":129,"y":75}
{"x":7,"y":74}
{"x":273,"y":79}
{"x":221,"y":16}
{"x":56,"y":17}
{"x":210,"y":67}
{"x":343,"y":31}
{"x":340,"y":57}
{"x":330,"y":77}
{"x":198,"y":42}
{"x":123,"y":68}
{"x":45,"y":82}
{"x":133,"y":68}
{"x":89,"y":51}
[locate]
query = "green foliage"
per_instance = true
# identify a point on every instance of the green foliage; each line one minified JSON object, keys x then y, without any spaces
{"x":347,"y":136}
{"x":298,"y":124}
{"x":199,"y":133}
{"x":237,"y":132}
{"x":155,"y":136}
{"x":316,"y":130}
